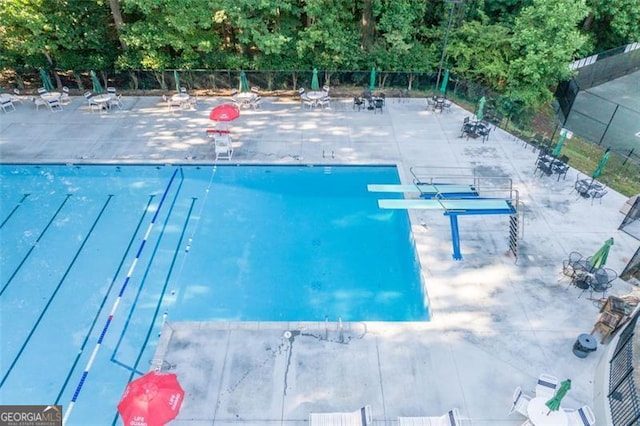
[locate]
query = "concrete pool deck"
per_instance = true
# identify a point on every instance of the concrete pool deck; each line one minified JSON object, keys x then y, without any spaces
{"x":496,"y":324}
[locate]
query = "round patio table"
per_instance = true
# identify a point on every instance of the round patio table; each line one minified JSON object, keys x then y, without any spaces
{"x":540,"y":415}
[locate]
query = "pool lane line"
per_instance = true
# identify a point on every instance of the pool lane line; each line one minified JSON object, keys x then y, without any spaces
{"x":55,"y":291}
{"x":35,"y":243}
{"x":104,"y":300}
{"x":6,"y":219}
{"x":114,"y":308}
{"x":160,"y":298}
{"x":143,"y":281}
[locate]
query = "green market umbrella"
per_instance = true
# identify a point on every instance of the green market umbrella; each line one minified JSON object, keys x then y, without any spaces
{"x":480,"y":113}
{"x":558,"y":149}
{"x":445,"y":81}
{"x":554,"y":403}
{"x":176,"y":78}
{"x":599,"y":258}
{"x":97,"y":87}
{"x":598,"y":171}
{"x":315,"y":84}
{"x":244,"y":84}
{"x":46,"y":80}
{"x":372,"y":79}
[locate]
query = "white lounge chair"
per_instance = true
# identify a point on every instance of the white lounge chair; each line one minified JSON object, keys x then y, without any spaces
{"x":546,"y":385}
{"x":6,"y":103}
{"x":361,"y":417}
{"x":520,"y":402}
{"x":451,"y":418}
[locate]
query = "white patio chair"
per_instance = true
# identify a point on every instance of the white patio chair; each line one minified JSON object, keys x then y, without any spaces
{"x":54,"y":105}
{"x":16,"y":97}
{"x":93,"y":105}
{"x":361,"y":417}
{"x":111,"y":90}
{"x":451,"y":418}
{"x":255,"y":102}
{"x":520,"y":402}
{"x":6,"y":103}
{"x":116,"y":101}
{"x":38,"y":101}
{"x":222,"y":146}
{"x":64,"y":97}
{"x":42,"y":90}
{"x":546,"y":385}
{"x":583,"y":416}
{"x":306,"y":101}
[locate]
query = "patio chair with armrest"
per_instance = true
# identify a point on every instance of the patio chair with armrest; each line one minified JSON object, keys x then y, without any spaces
{"x":520,"y":402}
{"x":598,"y":194}
{"x":570,"y":265}
{"x":546,"y":385}
{"x":6,"y":103}
{"x":451,"y":418}
{"x":583,"y":416}
{"x":602,"y":281}
{"x":16,"y":97}
{"x":361,"y":417}
{"x":357,"y":103}
{"x":38,"y":101}
{"x":377,"y":105}
{"x":222,"y":146}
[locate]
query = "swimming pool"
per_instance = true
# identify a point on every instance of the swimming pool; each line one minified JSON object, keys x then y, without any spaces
{"x":147,"y":244}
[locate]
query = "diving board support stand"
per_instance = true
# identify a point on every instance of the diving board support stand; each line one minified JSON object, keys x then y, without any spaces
{"x":455,"y":236}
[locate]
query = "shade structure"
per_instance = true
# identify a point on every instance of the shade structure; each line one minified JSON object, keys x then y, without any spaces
{"x":97,"y":87}
{"x":480,"y":112}
{"x":315,"y":84}
{"x":46,"y":80}
{"x":445,"y":81}
{"x":599,"y":258}
{"x":176,"y":78}
{"x":151,"y":400}
{"x":554,"y":403}
{"x":224,"y":112}
{"x":558,"y":149}
{"x":244,"y":84}
{"x":372,"y":79}
{"x":600,"y":168}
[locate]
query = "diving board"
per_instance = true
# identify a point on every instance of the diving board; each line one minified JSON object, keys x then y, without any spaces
{"x":454,"y":208}
{"x":466,"y":206}
{"x":427,"y":190}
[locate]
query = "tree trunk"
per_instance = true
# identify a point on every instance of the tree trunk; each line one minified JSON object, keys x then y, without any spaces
{"x":367,"y":25}
{"x":51,"y":65}
{"x":117,"y":19}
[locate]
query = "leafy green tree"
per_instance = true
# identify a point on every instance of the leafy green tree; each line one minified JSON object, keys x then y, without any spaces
{"x":545,"y":40}
{"x":613,"y":23}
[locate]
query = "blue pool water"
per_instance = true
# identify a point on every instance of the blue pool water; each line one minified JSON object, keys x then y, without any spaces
{"x":193,"y":243}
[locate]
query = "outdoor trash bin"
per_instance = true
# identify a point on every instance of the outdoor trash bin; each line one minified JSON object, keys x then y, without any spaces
{"x":586,"y":343}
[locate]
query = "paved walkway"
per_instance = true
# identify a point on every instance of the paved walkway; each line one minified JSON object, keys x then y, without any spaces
{"x":496,"y":324}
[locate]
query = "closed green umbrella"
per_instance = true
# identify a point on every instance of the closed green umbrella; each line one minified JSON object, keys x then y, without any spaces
{"x":176,"y":78}
{"x":445,"y":81}
{"x":97,"y":87}
{"x":558,"y":149}
{"x":599,"y":258}
{"x":244,"y":84}
{"x":480,"y":113}
{"x":554,"y":403}
{"x":598,"y":171}
{"x":46,"y":80}
{"x":372,"y":79}
{"x":315,"y":84}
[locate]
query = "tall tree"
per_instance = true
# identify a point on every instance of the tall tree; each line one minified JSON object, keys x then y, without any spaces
{"x":545,"y":40}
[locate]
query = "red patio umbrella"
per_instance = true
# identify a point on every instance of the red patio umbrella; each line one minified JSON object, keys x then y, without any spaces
{"x":151,"y":400}
{"x":224,"y":112}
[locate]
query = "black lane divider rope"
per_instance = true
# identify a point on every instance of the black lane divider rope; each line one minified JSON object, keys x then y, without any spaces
{"x":55,"y":292}
{"x":104,"y":300}
{"x":35,"y":244}
{"x":24,"y":197}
